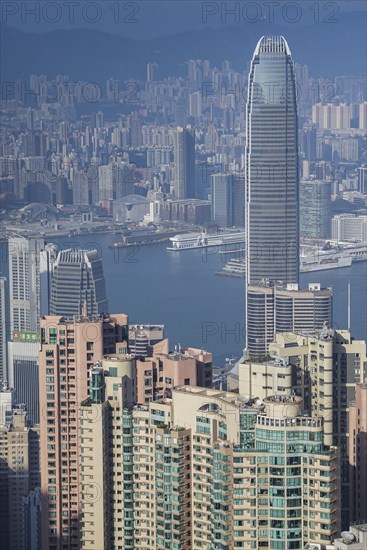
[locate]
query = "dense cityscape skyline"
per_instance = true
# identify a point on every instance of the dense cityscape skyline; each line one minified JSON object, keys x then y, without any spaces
{"x":113,"y":435}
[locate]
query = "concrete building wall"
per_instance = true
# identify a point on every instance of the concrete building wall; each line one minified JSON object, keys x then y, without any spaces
{"x":357,"y":448}
{"x":69,"y":348}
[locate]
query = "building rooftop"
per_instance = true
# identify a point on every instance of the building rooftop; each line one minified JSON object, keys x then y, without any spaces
{"x":272,"y":44}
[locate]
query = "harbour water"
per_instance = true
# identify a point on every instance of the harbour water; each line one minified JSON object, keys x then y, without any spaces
{"x":198,"y":308}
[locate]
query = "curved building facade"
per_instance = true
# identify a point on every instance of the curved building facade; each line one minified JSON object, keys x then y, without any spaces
{"x":272,"y":165}
{"x":273,"y":307}
{"x":77,"y":283}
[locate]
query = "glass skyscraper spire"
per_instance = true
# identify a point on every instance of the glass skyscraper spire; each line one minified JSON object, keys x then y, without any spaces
{"x":272,"y":165}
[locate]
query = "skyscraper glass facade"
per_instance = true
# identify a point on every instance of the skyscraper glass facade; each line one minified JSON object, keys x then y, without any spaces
{"x":272,"y":165}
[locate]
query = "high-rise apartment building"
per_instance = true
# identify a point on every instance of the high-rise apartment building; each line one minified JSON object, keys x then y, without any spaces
{"x":328,"y":367}
{"x":69,"y":348}
{"x":78,"y":284}
{"x":203,"y":470}
{"x":19,"y":474}
{"x":159,"y":374}
{"x":184,"y":161}
{"x":315,"y":209}
{"x":273,"y":307}
{"x":357,"y":449}
{"x":271,"y":169}
{"x":330,"y":116}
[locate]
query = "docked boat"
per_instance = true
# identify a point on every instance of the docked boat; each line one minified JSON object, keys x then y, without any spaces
{"x":189,"y":241}
{"x":322,"y":264}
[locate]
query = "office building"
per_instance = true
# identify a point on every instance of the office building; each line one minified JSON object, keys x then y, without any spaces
{"x":357,"y":449}
{"x":222,"y":199}
{"x":131,"y":209}
{"x":78,"y":284}
{"x":184,"y":162}
{"x":363,"y":115}
{"x":32,"y":518}
{"x":105,"y":182}
{"x":204,"y":470}
{"x":47,"y":260}
{"x":238,"y":199}
{"x":228,"y":199}
{"x":362,"y":179}
{"x":3,"y":330}
{"x":23,"y":371}
{"x":308,"y":137}
{"x":349,"y":227}
{"x":273,"y":307}
{"x":272,"y":165}
{"x":150,"y":71}
{"x":7,"y":404}
{"x":315,"y":209}
{"x":24,"y":283}
{"x":69,"y":348}
{"x":19,"y":474}
{"x":192,"y":211}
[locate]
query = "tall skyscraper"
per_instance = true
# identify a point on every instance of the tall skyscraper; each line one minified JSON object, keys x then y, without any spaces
{"x":3,"y":329}
{"x":78,"y":282}
{"x":315,"y":209}
{"x":222,"y":198}
{"x":228,"y":199}
{"x":184,"y":159}
{"x":19,"y":474}
{"x":272,"y":165}
{"x":362,"y":179}
{"x":47,"y":260}
{"x":23,"y":352}
{"x":69,"y":348}
{"x":239,"y":199}
{"x":273,"y":307}
{"x":24,"y":283}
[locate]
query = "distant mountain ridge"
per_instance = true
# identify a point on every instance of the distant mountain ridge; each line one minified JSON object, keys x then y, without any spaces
{"x":91,"y":55}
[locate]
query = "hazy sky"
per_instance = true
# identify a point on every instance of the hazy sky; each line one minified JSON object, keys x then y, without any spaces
{"x":151,"y":18}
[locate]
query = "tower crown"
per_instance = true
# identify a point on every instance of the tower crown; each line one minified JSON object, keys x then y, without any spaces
{"x":272,"y":44}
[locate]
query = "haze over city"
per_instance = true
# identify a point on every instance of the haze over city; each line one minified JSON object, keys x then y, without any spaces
{"x":183,"y":275}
